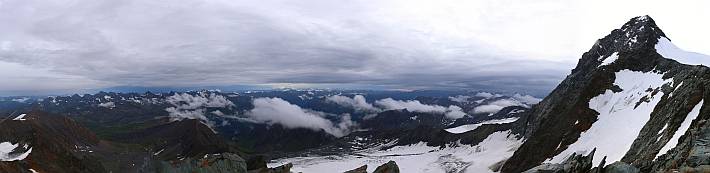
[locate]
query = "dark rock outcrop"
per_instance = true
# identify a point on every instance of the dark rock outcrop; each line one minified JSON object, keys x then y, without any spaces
{"x":280,"y":169}
{"x":620,"y":167}
{"x":573,"y":164}
{"x":210,"y":163}
{"x":389,"y":167}
{"x":361,"y":169}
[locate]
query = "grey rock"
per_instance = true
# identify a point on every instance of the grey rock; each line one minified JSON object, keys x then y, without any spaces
{"x":280,"y":169}
{"x":389,"y":167}
{"x":620,"y":167}
{"x":211,"y":163}
{"x":573,"y":164}
{"x":361,"y":169}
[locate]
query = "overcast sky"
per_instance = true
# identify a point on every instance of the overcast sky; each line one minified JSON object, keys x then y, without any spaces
{"x":60,"y":45}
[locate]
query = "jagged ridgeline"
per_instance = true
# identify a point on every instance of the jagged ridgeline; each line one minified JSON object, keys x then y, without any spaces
{"x":633,"y":100}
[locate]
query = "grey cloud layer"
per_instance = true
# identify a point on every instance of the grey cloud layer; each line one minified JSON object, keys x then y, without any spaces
{"x":187,"y":43}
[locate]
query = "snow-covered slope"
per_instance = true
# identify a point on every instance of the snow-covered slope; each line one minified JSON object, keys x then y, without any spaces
{"x":621,"y":116}
{"x":417,"y":158}
{"x":670,"y":51}
{"x":470,"y":127}
{"x":7,"y":154}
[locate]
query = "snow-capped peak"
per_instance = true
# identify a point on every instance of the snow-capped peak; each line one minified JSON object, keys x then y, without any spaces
{"x":638,"y":32}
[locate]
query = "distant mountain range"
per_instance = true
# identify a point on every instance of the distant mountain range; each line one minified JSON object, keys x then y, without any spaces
{"x":153,"y":129}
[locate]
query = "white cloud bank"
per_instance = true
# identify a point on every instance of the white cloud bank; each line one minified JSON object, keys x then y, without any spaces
{"x":278,"y":111}
{"x":452,"y":112}
{"x":495,"y":106}
{"x":187,"y":106}
{"x":487,"y":95}
{"x":358,"y":102}
{"x":109,"y":105}
{"x":528,"y":99}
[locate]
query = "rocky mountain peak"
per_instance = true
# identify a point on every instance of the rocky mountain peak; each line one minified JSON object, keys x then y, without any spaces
{"x":637,"y":36}
{"x":639,"y":32}
{"x":627,"y":74}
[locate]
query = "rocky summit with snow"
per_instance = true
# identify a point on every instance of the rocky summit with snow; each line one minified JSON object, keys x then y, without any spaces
{"x":634,"y":99}
{"x":634,"y":103}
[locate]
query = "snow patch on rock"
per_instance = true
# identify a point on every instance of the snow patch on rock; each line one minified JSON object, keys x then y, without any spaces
{"x":21,"y":117}
{"x":682,"y":129}
{"x":6,"y":154}
{"x":610,"y":59}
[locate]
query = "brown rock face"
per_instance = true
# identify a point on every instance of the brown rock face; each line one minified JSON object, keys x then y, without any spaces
{"x":50,"y":137}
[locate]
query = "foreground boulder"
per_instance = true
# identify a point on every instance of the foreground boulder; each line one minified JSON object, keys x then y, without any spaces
{"x":389,"y":167}
{"x":362,"y":169}
{"x":280,"y":169}
{"x":620,"y":167}
{"x":210,"y":163}
{"x":573,"y":164}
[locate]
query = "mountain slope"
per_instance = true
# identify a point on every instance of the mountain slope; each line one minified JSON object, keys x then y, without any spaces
{"x":49,"y":137}
{"x":186,"y":138}
{"x":44,"y":142}
{"x":624,"y":99}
